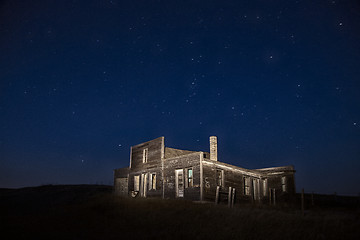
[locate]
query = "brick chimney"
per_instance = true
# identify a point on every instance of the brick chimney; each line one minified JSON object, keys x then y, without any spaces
{"x":213,"y":148}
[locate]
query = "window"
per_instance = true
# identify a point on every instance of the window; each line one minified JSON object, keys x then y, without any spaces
{"x":246,"y":185}
{"x":189,"y":178}
{"x":283,"y":184}
{"x":137,"y":183}
{"x":265,"y":186}
{"x":152,"y":182}
{"x":145,"y":155}
{"x":220,"y":177}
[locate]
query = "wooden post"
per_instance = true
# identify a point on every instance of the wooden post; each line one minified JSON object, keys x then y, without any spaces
{"x":229,"y":197}
{"x":274,"y":196}
{"x":217,"y":195}
{"x":252,"y":191}
{"x":302,"y":202}
{"x":270,"y":196}
{"x":233,"y":197}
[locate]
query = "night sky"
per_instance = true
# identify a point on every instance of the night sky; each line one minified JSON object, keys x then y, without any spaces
{"x":277,"y":81}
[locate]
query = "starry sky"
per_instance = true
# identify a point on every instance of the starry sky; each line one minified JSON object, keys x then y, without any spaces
{"x":277,"y":81}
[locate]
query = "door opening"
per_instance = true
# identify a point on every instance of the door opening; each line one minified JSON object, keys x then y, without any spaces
{"x":143,"y":185}
{"x":179,"y":183}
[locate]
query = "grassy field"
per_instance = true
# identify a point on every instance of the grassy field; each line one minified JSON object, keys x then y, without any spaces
{"x":92,"y":212}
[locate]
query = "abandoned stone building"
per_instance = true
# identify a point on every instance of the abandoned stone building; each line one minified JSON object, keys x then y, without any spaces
{"x":163,"y":172}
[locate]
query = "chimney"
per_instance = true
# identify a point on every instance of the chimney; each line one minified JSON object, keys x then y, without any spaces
{"x":213,"y":148}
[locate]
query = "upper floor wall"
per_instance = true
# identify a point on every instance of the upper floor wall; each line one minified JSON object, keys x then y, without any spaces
{"x":147,"y":155}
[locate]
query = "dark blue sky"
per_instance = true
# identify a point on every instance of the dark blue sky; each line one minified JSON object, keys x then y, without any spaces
{"x":277,"y":81}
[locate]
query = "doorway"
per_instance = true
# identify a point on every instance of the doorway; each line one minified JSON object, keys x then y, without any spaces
{"x":179,"y":183}
{"x":256,"y":189}
{"x":143,"y":185}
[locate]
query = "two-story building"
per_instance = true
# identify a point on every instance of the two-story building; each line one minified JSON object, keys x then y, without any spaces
{"x":163,"y":172}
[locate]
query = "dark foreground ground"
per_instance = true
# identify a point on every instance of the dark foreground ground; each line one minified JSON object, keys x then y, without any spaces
{"x":92,"y":212}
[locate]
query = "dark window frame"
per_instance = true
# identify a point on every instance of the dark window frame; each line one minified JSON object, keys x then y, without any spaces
{"x":189,"y":180}
{"x":283,"y":184}
{"x":220,"y":177}
{"x":152,"y":181}
{"x":247,"y":184}
{"x":137,"y":180}
{"x":145,"y":155}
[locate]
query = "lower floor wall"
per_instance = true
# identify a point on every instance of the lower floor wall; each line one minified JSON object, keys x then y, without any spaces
{"x":121,"y":186}
{"x":143,"y":184}
{"x":183,"y":181}
{"x":246,"y":187}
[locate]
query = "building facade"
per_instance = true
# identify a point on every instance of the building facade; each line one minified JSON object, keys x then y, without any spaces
{"x":163,"y":172}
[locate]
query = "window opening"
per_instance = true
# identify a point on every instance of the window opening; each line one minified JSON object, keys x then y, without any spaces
{"x":283,"y":184}
{"x":145,"y":155}
{"x":189,"y":176}
{"x":137,"y":183}
{"x":152,"y":184}
{"x":220,"y":177}
{"x":246,"y":185}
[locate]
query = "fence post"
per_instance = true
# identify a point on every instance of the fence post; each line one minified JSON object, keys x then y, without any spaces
{"x":229,"y":197}
{"x":233,"y":197}
{"x":302,"y":202}
{"x":274,"y":196}
{"x":270,"y":196}
{"x":217,"y":195}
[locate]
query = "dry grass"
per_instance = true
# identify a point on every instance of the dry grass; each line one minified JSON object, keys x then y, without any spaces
{"x":92,"y":212}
